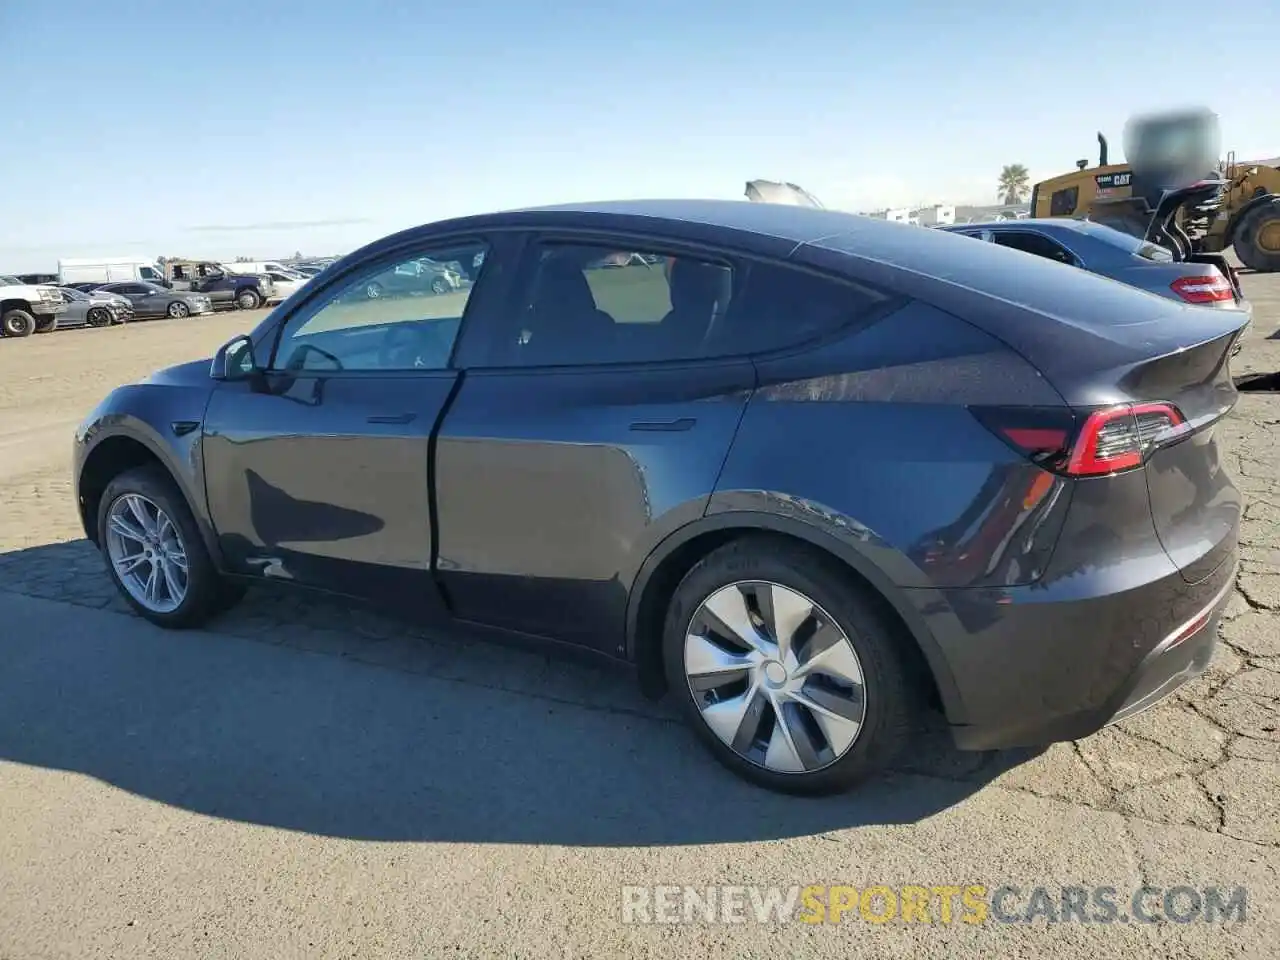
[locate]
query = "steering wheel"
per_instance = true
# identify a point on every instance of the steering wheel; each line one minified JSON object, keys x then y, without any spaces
{"x":412,"y":347}
{"x":402,"y":348}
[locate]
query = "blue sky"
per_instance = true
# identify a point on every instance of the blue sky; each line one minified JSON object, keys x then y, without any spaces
{"x":220,"y":130}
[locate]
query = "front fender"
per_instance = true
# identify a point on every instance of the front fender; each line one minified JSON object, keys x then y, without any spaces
{"x":164,"y":419}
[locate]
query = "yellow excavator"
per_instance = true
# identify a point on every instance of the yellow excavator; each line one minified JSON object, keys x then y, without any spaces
{"x":1168,"y":152}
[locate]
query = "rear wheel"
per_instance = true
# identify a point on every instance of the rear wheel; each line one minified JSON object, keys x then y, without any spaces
{"x":46,"y":324}
{"x":155,"y":554}
{"x":248,"y":299}
{"x":1257,"y":238}
{"x":17,"y":323}
{"x":790,"y":672}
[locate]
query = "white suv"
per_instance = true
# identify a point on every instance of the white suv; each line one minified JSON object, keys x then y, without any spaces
{"x":26,"y":309}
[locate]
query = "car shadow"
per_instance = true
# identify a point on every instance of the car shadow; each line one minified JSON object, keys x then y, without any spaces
{"x":305,"y":715}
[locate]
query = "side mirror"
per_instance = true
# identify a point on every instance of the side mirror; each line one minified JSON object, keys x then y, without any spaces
{"x":235,"y":360}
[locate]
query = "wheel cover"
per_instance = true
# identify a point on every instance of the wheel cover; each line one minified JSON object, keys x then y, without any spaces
{"x":147,"y":553}
{"x":177,"y":310}
{"x":1269,"y":235}
{"x":774,"y":677}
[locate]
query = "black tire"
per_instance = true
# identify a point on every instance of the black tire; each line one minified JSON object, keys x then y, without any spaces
{"x":17,"y":323}
{"x":893,"y":689}
{"x":373,"y":290}
{"x":248,"y":299}
{"x":177,"y":310}
{"x":1247,"y":239}
{"x":46,"y":324}
{"x":439,"y":285}
{"x":208,"y":592}
{"x":98,"y":317}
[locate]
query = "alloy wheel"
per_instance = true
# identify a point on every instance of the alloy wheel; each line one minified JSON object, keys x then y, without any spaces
{"x":774,"y":677}
{"x":178,"y":309}
{"x":146,"y":550}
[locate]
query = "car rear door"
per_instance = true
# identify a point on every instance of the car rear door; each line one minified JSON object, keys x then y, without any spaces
{"x":589,"y":425}
{"x":320,"y":474}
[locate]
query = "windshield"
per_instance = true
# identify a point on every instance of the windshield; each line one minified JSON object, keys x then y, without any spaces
{"x":1129,"y":243}
{"x":10,"y":281}
{"x":71,"y":294}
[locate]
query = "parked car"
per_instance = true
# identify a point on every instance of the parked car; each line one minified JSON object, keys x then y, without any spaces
{"x":307,"y":269}
{"x":285,"y":283}
{"x":96,"y":309}
{"x":1208,"y":280}
{"x":821,"y":473}
{"x":411,"y":278}
{"x":28,"y":308}
{"x":247,"y":291}
{"x":152,"y":300}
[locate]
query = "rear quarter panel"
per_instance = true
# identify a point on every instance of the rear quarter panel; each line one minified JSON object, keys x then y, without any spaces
{"x":869,"y":439}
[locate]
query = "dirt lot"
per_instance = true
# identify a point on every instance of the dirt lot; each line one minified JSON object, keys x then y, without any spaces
{"x":309,"y":780}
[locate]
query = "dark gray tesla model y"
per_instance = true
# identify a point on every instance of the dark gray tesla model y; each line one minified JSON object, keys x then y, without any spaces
{"x":810,"y":473}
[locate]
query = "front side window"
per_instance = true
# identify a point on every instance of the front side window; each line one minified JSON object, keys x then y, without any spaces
{"x":398,"y":317}
{"x":586,"y":304}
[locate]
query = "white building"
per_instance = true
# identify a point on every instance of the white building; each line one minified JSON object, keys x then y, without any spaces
{"x":936,"y":215}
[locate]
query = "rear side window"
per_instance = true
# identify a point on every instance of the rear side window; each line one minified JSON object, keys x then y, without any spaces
{"x":783,"y":307}
{"x":1035,"y":243}
{"x":589,"y":304}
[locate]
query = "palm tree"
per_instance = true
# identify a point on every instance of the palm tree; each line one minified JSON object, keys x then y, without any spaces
{"x":1013,"y":183}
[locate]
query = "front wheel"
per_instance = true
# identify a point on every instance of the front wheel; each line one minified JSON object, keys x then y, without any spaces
{"x":1257,"y":238}
{"x":17,"y":323}
{"x":98,"y":317}
{"x":439,"y":285}
{"x":789,"y":670}
{"x":248,"y":299}
{"x":155,"y":554}
{"x":177,"y":310}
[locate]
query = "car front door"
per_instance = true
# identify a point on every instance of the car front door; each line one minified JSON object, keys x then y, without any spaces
{"x":320,"y":472}
{"x":145,"y":303}
{"x":590,"y":423}
{"x":214,"y":284}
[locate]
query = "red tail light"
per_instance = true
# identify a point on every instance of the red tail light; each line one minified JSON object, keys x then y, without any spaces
{"x":1109,"y":440}
{"x":1210,"y":289}
{"x":1118,"y":438}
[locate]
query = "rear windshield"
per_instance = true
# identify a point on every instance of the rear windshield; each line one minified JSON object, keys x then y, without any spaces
{"x":1131,"y":244}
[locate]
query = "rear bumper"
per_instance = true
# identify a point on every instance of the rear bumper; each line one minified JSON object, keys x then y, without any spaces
{"x":1034,"y":669}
